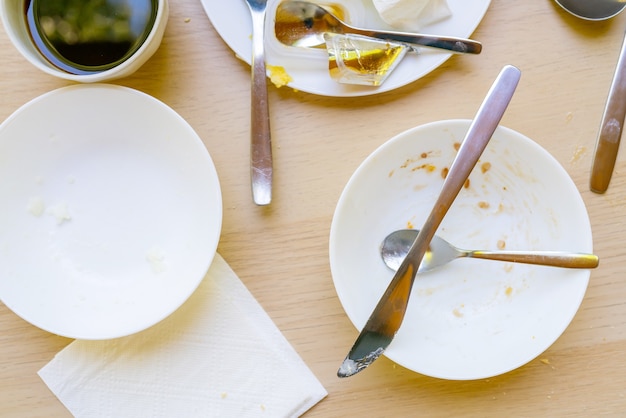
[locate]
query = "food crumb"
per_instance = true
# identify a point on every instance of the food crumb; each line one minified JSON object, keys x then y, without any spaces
{"x":60,"y":212}
{"x":457,"y":313}
{"x":262,"y":407}
{"x":223,"y":395}
{"x":545,"y":361}
{"x":501,"y":244}
{"x":457,"y":145}
{"x":424,"y":155}
{"x":485,"y":167}
{"x":156,"y":260}
{"x":578,"y":152}
{"x":569,"y":116}
{"x":508,"y":291}
{"x":278,"y":75}
{"x":409,"y":225}
{"x":35,"y":206}
{"x":466,"y":184}
{"x":187,"y":19}
{"x":444,"y":172}
{"x":483,"y":205}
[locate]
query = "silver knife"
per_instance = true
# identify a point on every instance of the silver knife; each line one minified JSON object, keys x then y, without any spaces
{"x":261,"y":170}
{"x":387,"y":317}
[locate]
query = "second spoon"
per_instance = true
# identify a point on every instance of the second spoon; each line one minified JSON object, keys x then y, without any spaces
{"x":303,"y":24}
{"x":396,"y":245}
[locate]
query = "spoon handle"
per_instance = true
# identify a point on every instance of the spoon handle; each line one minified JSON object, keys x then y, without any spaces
{"x":611,"y":127}
{"x":388,"y":314}
{"x":260,"y":139}
{"x":543,"y":258}
{"x":449,"y":43}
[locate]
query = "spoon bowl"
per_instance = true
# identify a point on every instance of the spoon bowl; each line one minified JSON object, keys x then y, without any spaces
{"x":396,"y":245}
{"x":303,"y":24}
{"x":592,"y":9}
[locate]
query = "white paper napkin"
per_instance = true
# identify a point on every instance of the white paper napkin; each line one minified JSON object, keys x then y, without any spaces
{"x":219,"y":355}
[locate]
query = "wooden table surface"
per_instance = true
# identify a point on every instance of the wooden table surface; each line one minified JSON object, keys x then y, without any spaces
{"x":281,"y":252}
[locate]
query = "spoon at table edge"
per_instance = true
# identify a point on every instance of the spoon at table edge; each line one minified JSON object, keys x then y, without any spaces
{"x":303,"y":24}
{"x":396,"y":245}
{"x":607,"y":142}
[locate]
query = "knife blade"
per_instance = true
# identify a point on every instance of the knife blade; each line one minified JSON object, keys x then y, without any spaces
{"x":388,"y":314}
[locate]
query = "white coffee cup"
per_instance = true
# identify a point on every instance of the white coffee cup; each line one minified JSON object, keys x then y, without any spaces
{"x":13,"y":17}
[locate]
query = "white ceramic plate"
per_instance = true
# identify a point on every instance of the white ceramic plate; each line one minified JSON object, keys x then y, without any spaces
{"x":472,"y":318}
{"x":111,"y":211}
{"x":309,"y":67}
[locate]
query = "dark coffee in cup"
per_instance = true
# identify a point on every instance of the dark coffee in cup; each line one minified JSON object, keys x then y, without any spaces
{"x":89,"y":36}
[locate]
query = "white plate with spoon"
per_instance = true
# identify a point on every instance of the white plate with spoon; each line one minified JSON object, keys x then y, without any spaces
{"x":469,"y":319}
{"x":309,"y":67}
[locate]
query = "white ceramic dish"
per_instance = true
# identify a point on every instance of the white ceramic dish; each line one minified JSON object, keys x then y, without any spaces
{"x":309,"y":67}
{"x":472,"y":318}
{"x":111,"y":211}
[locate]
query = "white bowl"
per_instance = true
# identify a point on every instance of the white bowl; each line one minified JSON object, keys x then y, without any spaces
{"x":472,"y":318}
{"x":111,"y":212}
{"x":13,"y":19}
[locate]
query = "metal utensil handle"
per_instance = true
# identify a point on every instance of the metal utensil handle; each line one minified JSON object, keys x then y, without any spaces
{"x":452,"y":44}
{"x":261,"y":169}
{"x":611,"y":127}
{"x":543,"y":258}
{"x":388,"y":314}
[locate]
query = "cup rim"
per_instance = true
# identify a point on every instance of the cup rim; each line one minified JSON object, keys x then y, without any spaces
{"x":124,"y":68}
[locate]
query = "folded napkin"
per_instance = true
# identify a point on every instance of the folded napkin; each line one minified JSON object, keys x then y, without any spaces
{"x":219,"y":355}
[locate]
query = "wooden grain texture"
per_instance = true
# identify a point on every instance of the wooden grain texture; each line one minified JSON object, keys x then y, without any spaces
{"x":281,"y":251}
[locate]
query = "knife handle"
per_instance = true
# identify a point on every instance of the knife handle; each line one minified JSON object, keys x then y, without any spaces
{"x":261,"y":170}
{"x":611,"y":127}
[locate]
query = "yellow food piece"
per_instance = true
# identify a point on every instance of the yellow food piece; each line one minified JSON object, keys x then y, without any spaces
{"x":278,"y":75}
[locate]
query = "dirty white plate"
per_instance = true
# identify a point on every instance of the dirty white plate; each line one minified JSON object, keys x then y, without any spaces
{"x":472,"y":318}
{"x":309,"y":67}
{"x":111,"y":211}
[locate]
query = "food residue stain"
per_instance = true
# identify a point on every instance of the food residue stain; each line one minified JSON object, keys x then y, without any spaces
{"x":508,"y":291}
{"x":466,"y":185}
{"x":457,"y":145}
{"x":501,"y":244}
{"x":456,"y":312}
{"x":485,"y":167}
{"x":444,"y":172}
{"x":483,"y":205}
{"x":278,"y":75}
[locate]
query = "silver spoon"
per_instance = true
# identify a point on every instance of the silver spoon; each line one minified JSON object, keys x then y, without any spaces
{"x":300,"y":23}
{"x":612,"y":123}
{"x":395,"y":247}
